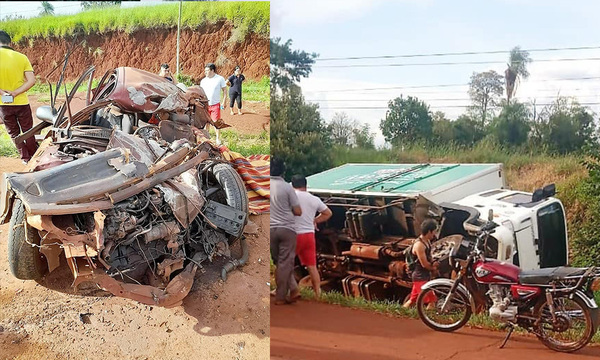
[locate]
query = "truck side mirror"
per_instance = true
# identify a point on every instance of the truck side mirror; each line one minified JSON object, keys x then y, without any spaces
{"x":491,"y":215}
{"x":538,"y":195}
{"x":549,"y":190}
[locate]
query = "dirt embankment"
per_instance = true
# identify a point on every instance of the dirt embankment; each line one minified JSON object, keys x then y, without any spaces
{"x":148,"y":48}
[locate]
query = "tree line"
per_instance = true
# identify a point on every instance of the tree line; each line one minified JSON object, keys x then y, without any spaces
{"x":301,"y":136}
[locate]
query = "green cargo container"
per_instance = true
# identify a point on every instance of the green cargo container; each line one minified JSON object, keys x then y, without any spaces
{"x":437,"y":182}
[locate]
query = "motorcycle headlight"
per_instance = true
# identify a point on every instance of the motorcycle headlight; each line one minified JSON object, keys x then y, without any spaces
{"x":595,"y":285}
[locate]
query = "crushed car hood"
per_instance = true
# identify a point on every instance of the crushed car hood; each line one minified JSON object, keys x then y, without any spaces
{"x":99,"y":181}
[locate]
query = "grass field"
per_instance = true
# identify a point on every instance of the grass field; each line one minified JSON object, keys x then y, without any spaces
{"x":252,"y":90}
{"x":245,"y":16}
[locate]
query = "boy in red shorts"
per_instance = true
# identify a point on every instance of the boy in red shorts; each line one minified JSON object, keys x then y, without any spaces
{"x":213,"y":84}
{"x":305,"y":229}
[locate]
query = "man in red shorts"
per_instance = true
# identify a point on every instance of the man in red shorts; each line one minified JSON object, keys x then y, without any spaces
{"x":305,"y":229}
{"x":213,"y":85}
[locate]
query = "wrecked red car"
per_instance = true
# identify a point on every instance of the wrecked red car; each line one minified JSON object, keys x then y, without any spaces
{"x":125,"y":190}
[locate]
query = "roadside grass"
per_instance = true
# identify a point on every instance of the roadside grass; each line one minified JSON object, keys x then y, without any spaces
{"x":256,"y":90}
{"x":252,"y":90}
{"x":7,"y":148}
{"x":246,"y":144}
{"x":43,"y":89}
{"x":395,"y":309}
{"x":242,"y":143}
{"x":244,"y":16}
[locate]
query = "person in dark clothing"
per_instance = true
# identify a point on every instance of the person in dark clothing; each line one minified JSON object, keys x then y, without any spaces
{"x":235,"y":90}
{"x":425,"y":264}
{"x":166,"y":73}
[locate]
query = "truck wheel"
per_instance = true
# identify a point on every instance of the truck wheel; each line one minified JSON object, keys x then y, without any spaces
{"x":233,"y":190}
{"x":24,"y":260}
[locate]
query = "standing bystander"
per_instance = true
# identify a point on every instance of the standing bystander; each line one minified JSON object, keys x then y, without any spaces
{"x":16,"y":77}
{"x":284,"y":206}
{"x":235,"y":91}
{"x":306,"y":224}
{"x":424,"y":264}
{"x":213,"y":84}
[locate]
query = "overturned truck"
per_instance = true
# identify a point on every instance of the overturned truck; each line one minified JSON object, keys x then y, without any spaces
{"x":378,"y":208}
{"x":136,"y":208}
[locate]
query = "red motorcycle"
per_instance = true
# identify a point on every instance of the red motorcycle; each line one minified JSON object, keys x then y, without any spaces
{"x":556,"y":304}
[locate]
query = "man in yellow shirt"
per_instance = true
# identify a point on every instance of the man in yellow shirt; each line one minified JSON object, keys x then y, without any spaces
{"x":16,"y":77}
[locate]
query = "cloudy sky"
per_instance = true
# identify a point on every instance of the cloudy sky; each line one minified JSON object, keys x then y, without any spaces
{"x":363,"y":28}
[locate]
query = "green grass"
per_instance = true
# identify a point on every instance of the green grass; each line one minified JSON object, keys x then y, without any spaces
{"x":246,"y":144}
{"x":256,"y":90}
{"x":241,"y":143}
{"x":252,"y":90}
{"x":245,"y":16}
{"x":395,"y":309}
{"x":42,"y":88}
{"x":7,"y":148}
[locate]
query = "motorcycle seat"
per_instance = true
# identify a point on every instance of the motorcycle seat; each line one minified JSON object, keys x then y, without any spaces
{"x":547,"y":275}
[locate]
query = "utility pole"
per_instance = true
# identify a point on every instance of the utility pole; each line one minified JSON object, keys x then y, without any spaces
{"x":178,"y":34}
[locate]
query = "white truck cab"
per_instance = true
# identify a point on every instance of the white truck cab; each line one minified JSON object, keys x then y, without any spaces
{"x":532,"y":232}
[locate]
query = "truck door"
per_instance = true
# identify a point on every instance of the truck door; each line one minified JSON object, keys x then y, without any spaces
{"x":526,"y":251}
{"x":552,"y":236}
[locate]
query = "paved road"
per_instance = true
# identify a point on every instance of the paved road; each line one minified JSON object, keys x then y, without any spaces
{"x":310,"y":330}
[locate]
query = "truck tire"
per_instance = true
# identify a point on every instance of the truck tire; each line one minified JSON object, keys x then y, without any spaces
{"x":24,"y":260}
{"x":233,"y":188}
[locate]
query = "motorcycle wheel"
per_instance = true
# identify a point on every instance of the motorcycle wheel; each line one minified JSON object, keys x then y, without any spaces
{"x":573,"y":329}
{"x":430,"y":302}
{"x":24,"y":260}
{"x":233,"y":190}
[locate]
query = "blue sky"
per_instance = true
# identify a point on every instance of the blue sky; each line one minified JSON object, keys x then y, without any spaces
{"x":336,"y":28}
{"x":32,"y":8}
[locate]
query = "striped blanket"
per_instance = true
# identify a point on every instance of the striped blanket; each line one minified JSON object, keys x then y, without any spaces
{"x":254,"y":170}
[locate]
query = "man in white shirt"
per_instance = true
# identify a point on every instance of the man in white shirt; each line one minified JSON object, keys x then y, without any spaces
{"x":305,"y":229}
{"x":213,"y":84}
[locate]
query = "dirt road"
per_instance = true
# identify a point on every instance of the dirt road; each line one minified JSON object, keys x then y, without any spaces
{"x":310,"y":330}
{"x":218,"y":320}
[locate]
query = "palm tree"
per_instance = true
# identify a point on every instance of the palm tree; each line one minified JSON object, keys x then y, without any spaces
{"x":46,"y":9}
{"x":517,"y":68}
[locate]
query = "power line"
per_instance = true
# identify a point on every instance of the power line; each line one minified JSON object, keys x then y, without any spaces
{"x":439,"y":106}
{"x":462,"y":92}
{"x":444,"y":85}
{"x":455,"y":53}
{"x":447,"y":63}
{"x":449,"y":99}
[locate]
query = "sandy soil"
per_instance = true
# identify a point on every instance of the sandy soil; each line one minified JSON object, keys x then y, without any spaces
{"x":310,"y":330}
{"x":218,"y":320}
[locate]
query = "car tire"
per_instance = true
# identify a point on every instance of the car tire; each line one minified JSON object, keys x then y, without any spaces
{"x":25,"y":261}
{"x":234,"y":189}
